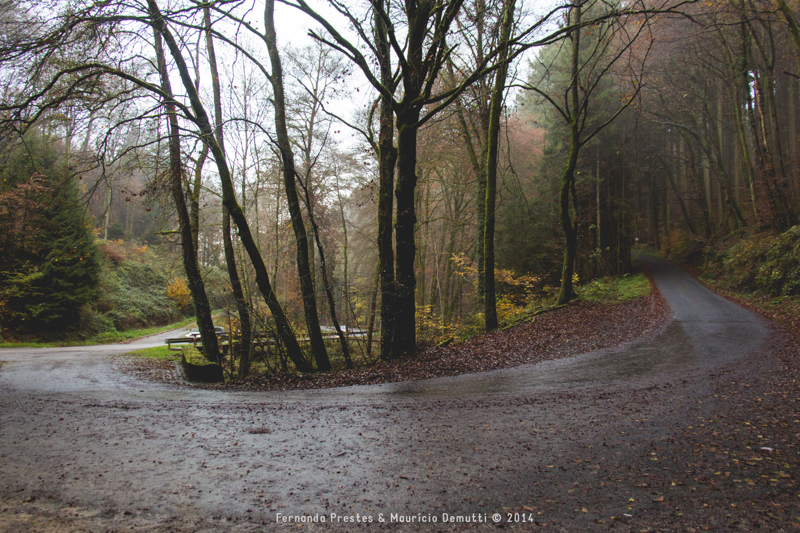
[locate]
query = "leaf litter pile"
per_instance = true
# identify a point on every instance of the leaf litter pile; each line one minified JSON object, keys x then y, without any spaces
{"x":578,"y":328}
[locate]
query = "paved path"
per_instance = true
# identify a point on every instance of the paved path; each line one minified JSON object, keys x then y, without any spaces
{"x":85,"y":445}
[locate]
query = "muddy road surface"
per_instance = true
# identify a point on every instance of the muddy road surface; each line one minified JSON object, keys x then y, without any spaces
{"x":576,"y":444}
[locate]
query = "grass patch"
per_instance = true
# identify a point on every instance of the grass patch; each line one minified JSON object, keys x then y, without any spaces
{"x":29,"y":344}
{"x":615,"y":290}
{"x":158,"y":352}
{"x":198,"y":368}
{"x":108,"y":337}
{"x":119,"y":336}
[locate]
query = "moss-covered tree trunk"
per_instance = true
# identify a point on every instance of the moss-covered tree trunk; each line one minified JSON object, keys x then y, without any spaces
{"x":566,"y":191}
{"x":387,"y":155}
{"x":492,"y":142}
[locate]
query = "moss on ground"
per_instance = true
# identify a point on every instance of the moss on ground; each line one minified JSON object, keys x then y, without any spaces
{"x":198,"y":368}
{"x":193,"y":356}
{"x":614,"y":290}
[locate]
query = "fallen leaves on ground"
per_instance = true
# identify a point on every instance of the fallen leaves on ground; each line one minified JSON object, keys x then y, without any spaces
{"x":578,"y":328}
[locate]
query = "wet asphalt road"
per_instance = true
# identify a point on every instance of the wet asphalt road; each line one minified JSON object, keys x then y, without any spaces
{"x":549,"y":439}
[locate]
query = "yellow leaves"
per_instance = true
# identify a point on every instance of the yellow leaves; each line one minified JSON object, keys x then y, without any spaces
{"x":178,"y":292}
{"x":464,"y":267}
{"x":433,"y":327}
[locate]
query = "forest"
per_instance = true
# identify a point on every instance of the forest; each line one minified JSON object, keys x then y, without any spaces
{"x":406,"y":174}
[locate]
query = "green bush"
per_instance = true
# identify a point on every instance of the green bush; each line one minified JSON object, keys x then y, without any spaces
{"x":768,"y":264}
{"x":93,"y":323}
{"x":135,"y":295}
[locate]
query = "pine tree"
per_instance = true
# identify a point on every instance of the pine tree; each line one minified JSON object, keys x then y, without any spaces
{"x":50,"y":265}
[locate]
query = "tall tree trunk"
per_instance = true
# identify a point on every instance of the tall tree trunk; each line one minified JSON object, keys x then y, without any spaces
{"x":767,"y":166}
{"x":739,"y":87}
{"x":242,"y":307}
{"x":566,"y":291}
{"x":405,"y":341}
{"x":328,"y":286}
{"x":423,"y":198}
{"x":479,"y":167}
{"x":599,"y":257}
{"x":679,"y":197}
{"x":318,"y":348}
{"x":228,"y":196}
{"x":652,"y":211}
{"x":791,"y":22}
{"x":196,"y":286}
{"x":372,"y":308}
{"x":194,"y":196}
{"x":782,"y":180}
{"x":387,"y":155}
{"x":492,"y":143}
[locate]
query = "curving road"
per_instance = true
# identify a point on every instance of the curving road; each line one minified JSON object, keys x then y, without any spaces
{"x":85,"y":446}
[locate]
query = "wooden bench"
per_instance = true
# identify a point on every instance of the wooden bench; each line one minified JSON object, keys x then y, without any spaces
{"x":197,"y":341}
{"x":180,"y":340}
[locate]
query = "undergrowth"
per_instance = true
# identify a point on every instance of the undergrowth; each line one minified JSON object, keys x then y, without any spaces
{"x":762,"y":264}
{"x":763,"y":270}
{"x":513,"y":309}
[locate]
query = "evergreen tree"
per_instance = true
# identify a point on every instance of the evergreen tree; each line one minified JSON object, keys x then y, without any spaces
{"x":49,"y":263}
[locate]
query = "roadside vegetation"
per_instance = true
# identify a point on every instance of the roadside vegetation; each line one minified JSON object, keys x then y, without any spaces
{"x":761,"y":270}
{"x":108,"y":337}
{"x":162,"y":353}
{"x":531,"y":318}
{"x":139,"y":290}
